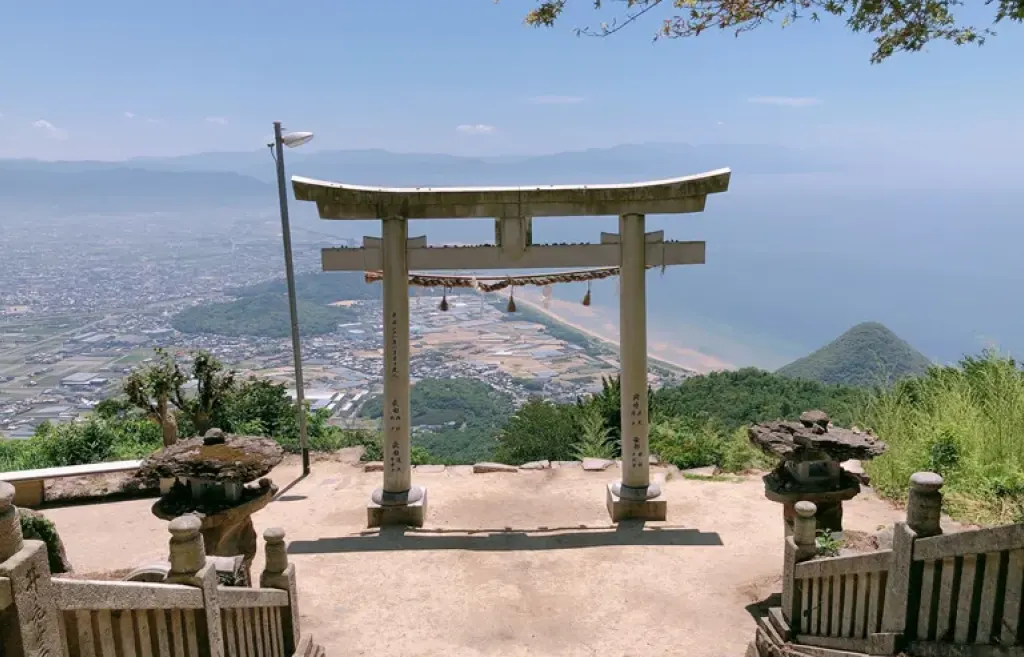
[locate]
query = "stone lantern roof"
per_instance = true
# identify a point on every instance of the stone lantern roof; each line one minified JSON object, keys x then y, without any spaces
{"x":217,"y":457}
{"x":813,"y":436}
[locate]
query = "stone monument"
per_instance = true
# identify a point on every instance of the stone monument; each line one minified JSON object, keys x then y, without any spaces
{"x":810,"y":452}
{"x":210,"y":481}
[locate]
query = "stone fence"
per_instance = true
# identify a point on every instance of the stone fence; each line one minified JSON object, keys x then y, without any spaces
{"x":931,"y":594}
{"x":190,"y":616}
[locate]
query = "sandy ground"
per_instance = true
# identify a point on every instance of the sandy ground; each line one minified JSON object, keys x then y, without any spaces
{"x":508,"y":564}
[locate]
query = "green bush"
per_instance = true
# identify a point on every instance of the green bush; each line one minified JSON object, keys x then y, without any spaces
{"x":539,"y":430}
{"x":686,"y":443}
{"x":35,"y":527}
{"x":963,"y":422}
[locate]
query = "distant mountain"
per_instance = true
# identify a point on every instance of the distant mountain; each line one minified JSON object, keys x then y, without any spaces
{"x":105,"y":187}
{"x":868,"y":354}
{"x":624,"y":163}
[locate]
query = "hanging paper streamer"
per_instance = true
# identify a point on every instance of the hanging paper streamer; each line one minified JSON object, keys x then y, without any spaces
{"x":586,"y":297}
{"x":545,"y":295}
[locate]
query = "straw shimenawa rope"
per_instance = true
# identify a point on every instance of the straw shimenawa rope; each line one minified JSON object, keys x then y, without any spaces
{"x":495,"y":283}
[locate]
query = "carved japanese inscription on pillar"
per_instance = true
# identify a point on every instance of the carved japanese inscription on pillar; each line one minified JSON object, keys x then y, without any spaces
{"x":638,"y":457}
{"x":393,"y":344}
{"x":33,"y":601}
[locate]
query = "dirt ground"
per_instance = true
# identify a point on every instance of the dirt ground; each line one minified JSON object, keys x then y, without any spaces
{"x":508,"y":564}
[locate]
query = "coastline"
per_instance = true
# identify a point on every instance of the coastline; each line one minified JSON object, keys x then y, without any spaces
{"x":700,"y":364}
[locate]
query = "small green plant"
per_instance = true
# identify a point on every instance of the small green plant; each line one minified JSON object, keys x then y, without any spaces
{"x":827,"y":543}
{"x":944,"y":452}
{"x":595,"y":440}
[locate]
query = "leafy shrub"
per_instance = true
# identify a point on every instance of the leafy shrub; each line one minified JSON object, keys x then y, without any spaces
{"x":687,"y":443}
{"x":738,"y":455}
{"x":36,"y":527}
{"x":595,"y":438}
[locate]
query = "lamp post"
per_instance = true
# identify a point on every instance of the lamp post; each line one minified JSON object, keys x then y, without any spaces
{"x":292,"y":140}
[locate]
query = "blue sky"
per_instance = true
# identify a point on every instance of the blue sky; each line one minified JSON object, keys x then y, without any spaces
{"x":111,"y":79}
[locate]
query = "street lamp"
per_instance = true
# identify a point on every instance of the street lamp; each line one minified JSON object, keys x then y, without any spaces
{"x":291,"y":140}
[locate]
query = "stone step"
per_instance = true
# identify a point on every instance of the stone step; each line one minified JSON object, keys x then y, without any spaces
{"x":779,"y":621}
{"x":815,"y":651}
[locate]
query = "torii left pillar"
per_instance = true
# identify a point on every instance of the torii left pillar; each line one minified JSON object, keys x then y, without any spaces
{"x":397,"y":502}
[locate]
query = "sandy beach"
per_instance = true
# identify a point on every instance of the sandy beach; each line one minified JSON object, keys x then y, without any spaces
{"x":602,"y":324}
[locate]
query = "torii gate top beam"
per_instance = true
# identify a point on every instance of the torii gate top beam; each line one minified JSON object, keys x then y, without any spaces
{"x":672,"y":196}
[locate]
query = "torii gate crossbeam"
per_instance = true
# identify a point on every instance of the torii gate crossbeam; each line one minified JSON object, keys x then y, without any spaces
{"x":513,"y":209}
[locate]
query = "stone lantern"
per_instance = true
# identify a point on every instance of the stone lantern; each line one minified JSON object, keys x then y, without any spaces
{"x":810,"y":453}
{"x":219,"y":479}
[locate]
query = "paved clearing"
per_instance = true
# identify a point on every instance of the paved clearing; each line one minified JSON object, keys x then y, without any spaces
{"x":509,"y":564}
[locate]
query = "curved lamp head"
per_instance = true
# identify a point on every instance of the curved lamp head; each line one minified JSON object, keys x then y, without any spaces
{"x":294,"y":139}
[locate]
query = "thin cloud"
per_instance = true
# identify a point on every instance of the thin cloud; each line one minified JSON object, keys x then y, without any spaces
{"x":53,"y":131}
{"x":154,"y":121}
{"x":785,"y":101}
{"x":719,"y":122}
{"x":129,"y":115}
{"x":217,"y":120}
{"x":555,"y":100}
{"x":475,"y":129}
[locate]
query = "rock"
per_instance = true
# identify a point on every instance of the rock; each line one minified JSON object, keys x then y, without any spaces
{"x":37,"y":527}
{"x":565,"y":464}
{"x":428,"y":469}
{"x":373,"y":466}
{"x":706,"y":471}
{"x":654,"y":459}
{"x":460,"y":470}
{"x":351,"y":455}
{"x":485,"y":468}
{"x":236,"y":458}
{"x":596,"y":465}
{"x":799,"y":441}
{"x":884,"y":538}
{"x":854,"y":467}
{"x":814,"y":418}
{"x":536,"y":465}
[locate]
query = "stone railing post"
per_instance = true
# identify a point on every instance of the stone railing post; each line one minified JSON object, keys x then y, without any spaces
{"x":800,"y":546}
{"x":924,"y":504}
{"x":34,"y":628}
{"x":279,"y":574}
{"x":189,"y":566}
{"x":924,"y":508}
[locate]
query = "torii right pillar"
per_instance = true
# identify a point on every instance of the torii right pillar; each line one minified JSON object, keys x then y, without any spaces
{"x":635,"y":496}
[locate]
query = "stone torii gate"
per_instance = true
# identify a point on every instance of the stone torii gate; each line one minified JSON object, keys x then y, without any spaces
{"x":632,"y":249}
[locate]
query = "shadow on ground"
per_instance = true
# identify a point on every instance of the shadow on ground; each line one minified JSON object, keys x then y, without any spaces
{"x":508,"y":539}
{"x":760,"y":609}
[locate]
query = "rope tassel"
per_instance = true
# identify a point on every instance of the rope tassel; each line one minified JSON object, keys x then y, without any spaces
{"x":444,"y":301}
{"x":586,"y":297}
{"x":512,"y":300}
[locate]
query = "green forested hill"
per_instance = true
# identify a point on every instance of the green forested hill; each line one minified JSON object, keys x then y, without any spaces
{"x":317,"y":287}
{"x":869,"y":354}
{"x":264,"y":316}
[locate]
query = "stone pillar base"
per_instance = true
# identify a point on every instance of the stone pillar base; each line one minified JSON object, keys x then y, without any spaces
{"x":403,"y":509}
{"x":635,"y":507}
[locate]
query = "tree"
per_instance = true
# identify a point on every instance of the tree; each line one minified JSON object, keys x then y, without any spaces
{"x":153,"y":388}
{"x":213,"y":385}
{"x":897,"y":25}
{"x":539,"y":430}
